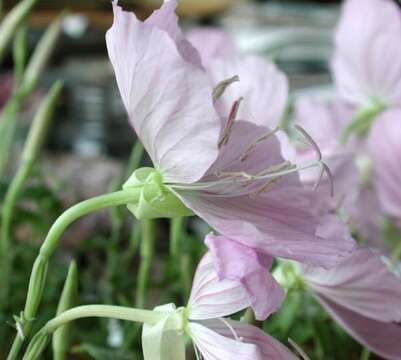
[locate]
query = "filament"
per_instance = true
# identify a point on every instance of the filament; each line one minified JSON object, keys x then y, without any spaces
{"x":226,"y":323}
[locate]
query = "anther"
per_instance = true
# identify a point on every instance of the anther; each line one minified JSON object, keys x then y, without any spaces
{"x":230,"y":122}
{"x":222,"y":86}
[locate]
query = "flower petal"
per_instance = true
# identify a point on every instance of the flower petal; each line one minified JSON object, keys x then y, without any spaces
{"x":361,"y":283}
{"x":234,"y":261}
{"x":263,"y":87}
{"x":269,"y":347}
{"x":384,"y":147}
{"x":169,"y":102}
{"x":382,"y":338}
{"x":213,"y":346}
{"x":211,"y":297}
{"x":166,"y":19}
{"x":212,"y":43}
{"x":367,"y":30}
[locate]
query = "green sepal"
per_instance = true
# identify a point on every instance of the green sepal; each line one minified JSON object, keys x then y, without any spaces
{"x":164,"y":340}
{"x":156,"y":200}
{"x":363,"y":120}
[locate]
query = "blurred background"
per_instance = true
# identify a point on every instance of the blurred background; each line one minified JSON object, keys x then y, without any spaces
{"x":89,"y":146}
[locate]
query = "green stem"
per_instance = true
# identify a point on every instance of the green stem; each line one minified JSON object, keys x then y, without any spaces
{"x":146,"y":252}
{"x":39,"y":270}
{"x":365,"y":355}
{"x":39,"y":341}
{"x":176,"y":227}
{"x":7,"y":216}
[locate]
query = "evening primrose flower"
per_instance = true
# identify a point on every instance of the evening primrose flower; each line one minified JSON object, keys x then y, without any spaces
{"x":362,"y":295}
{"x":213,"y":336}
{"x":227,"y":170}
{"x":367,"y":59}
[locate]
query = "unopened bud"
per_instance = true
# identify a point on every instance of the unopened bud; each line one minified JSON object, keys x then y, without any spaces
{"x":40,"y":124}
{"x":36,"y":346}
{"x":11,"y":22}
{"x":36,"y":286}
{"x":41,"y":56}
{"x":62,"y":336}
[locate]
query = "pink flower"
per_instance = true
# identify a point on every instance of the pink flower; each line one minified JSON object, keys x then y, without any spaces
{"x":364,"y":297}
{"x":384,"y":145}
{"x":213,"y":336}
{"x":367,"y":61}
{"x":227,"y":170}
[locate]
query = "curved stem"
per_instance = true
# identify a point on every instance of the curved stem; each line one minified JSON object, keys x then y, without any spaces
{"x":39,"y":341}
{"x":104,"y":311}
{"x":39,"y":270}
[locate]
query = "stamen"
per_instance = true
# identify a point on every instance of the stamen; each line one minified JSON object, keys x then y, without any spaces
{"x":226,"y":323}
{"x":222,"y":86}
{"x":272,"y":174}
{"x":298,"y":349}
{"x":230,"y":122}
{"x":257,"y":142}
{"x":310,"y":141}
{"x":324,"y":168}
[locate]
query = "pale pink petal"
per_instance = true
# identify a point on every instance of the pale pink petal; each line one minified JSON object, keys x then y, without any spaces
{"x":367,"y":61}
{"x":169,"y":101}
{"x":234,"y":261}
{"x":269,"y":347}
{"x":382,"y":338}
{"x":166,"y":19}
{"x":212,"y":297}
{"x":384,"y":146}
{"x":214,"y":346}
{"x":323,"y":120}
{"x":366,"y":216}
{"x":212,"y":43}
{"x":362,"y":283}
{"x":263,"y":87}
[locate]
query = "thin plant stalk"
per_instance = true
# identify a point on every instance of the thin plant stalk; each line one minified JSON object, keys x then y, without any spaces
{"x":32,"y":147}
{"x":39,"y":341}
{"x":177,"y":229}
{"x":146,"y":254}
{"x":117,"y":219}
{"x":39,"y":270}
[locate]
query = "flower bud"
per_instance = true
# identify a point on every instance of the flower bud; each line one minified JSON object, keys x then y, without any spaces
{"x":62,"y":336}
{"x":156,"y":200}
{"x":40,"y":123}
{"x":36,"y":286}
{"x":36,"y":346}
{"x":11,"y":22}
{"x":41,"y":56}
